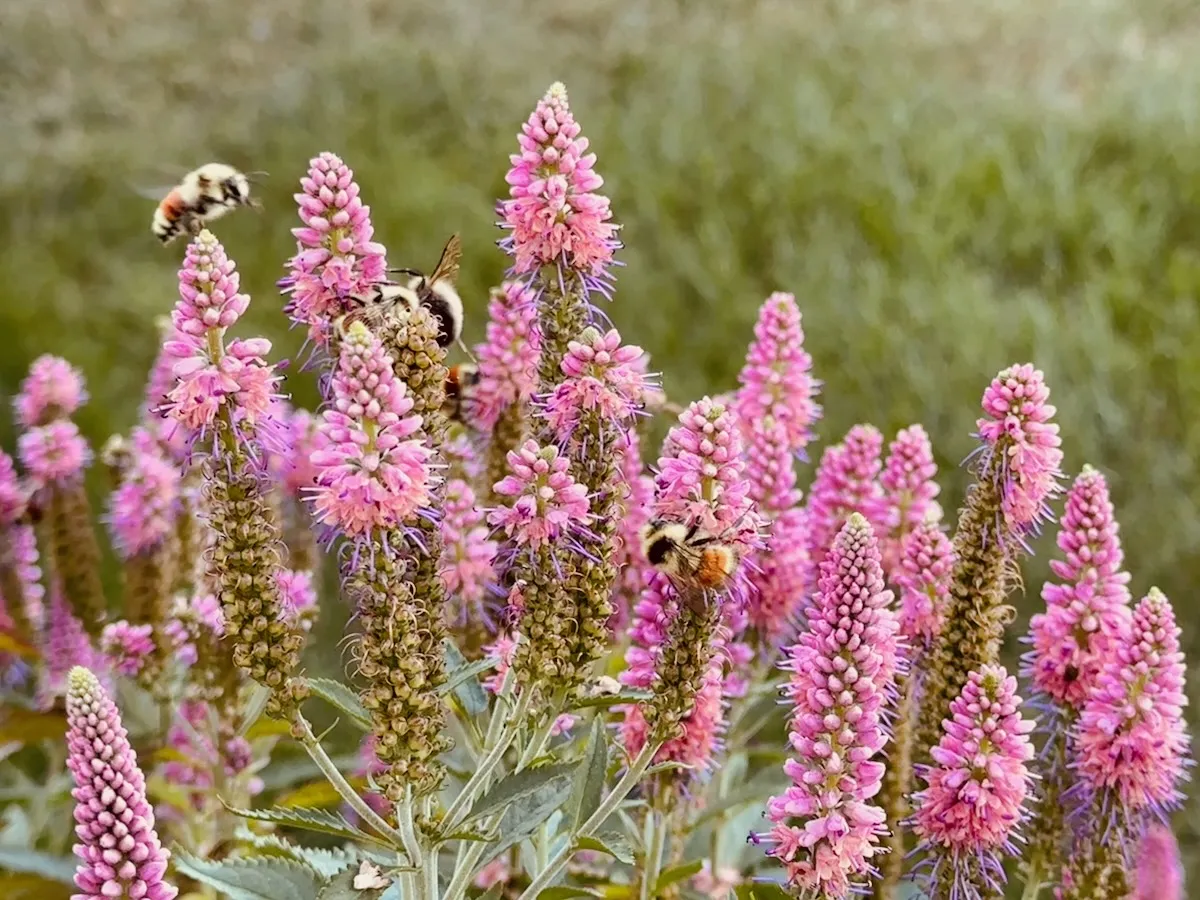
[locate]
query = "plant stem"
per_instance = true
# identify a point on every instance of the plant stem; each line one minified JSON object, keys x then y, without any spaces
{"x":431,"y":860}
{"x":330,"y":771}
{"x":464,"y":867}
{"x":487,"y":765}
{"x":1033,"y":878}
{"x":656,"y":825}
{"x":408,"y":833}
{"x":627,"y":783}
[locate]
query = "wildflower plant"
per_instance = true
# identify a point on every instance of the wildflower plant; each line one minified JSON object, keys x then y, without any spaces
{"x":575,"y":664}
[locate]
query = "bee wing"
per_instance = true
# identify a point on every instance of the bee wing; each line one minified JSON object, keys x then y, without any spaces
{"x":152,"y":192}
{"x":157,"y":181}
{"x":447,"y":266}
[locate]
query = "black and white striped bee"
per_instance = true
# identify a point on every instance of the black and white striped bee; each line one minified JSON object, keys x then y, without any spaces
{"x":202,"y":195}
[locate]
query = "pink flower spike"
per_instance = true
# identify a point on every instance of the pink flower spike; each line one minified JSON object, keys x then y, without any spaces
{"x":555,"y":215}
{"x":968,"y":814}
{"x":371,"y":471}
{"x":336,"y":257}
{"x":53,"y":453}
{"x":1131,"y":739}
{"x":128,"y":647}
{"x":923,"y":577}
{"x":548,"y":501}
{"x":601,"y":375}
{"x":826,"y":829}
{"x":14,"y":496}
{"x":64,"y":644}
{"x":779,"y":586}
{"x":1088,"y":615}
{"x":1021,"y":446}
{"x":909,"y":490}
{"x":53,"y":389}
{"x":777,"y":378}
{"x":508,"y":359}
{"x":119,"y":851}
{"x":1159,"y":869}
{"x":845,"y":483}
{"x":467,"y":553}
{"x":297,"y":592}
{"x":142,"y":508}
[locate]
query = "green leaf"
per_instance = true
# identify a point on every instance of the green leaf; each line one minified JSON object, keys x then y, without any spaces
{"x":341,"y":887}
{"x":589,"y":777}
{"x":264,"y":878}
{"x":677,"y":873}
{"x":468,"y":691}
{"x":468,"y":834}
{"x":519,"y":787}
{"x":32,"y":887}
{"x":613,"y":844}
{"x":527,"y":812}
{"x":762,"y":890}
{"x":31,"y":726}
{"x":603,"y":701}
{"x":33,"y":862}
{"x":492,"y":893}
{"x":756,"y":790}
{"x":319,"y":794}
{"x":326,"y":862}
{"x":319,"y":820}
{"x":343,"y":698}
{"x":565,"y":892}
{"x":470,"y":670}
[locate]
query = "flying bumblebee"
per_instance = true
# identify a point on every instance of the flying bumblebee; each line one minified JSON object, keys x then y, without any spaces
{"x":204,"y":194}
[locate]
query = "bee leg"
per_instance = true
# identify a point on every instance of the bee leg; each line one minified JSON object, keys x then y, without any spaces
{"x":193,"y":225}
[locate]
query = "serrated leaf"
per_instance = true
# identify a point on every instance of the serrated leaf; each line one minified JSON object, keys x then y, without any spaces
{"x":269,"y":878}
{"x":456,"y":677}
{"x":492,"y":893}
{"x":318,"y":794}
{"x":519,"y":786}
{"x":468,"y":691}
{"x":31,"y":726}
{"x":565,"y":892}
{"x":24,"y":861}
{"x":677,"y":873}
{"x":10,"y":643}
{"x":588,"y":786}
{"x":319,"y":820}
{"x":32,"y":887}
{"x":341,"y":887}
{"x":525,"y":815}
{"x":326,"y":862}
{"x":467,"y":834}
{"x":613,"y":844}
{"x":603,"y":701}
{"x":343,"y":698}
{"x":762,"y":890}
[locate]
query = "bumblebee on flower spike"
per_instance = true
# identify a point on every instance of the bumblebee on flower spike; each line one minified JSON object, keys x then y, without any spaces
{"x":689,"y":555}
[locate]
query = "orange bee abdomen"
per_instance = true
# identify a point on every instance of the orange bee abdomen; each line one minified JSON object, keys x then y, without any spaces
{"x":716,"y":565}
{"x":172,"y":205}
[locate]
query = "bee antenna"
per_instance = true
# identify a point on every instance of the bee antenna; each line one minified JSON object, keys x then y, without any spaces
{"x":406,"y":272}
{"x":467,"y":350}
{"x":256,"y":175}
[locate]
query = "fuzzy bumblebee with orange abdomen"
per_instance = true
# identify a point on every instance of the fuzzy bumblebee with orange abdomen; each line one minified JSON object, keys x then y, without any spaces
{"x":687,"y":554}
{"x":461,"y":380}
{"x":204,"y":194}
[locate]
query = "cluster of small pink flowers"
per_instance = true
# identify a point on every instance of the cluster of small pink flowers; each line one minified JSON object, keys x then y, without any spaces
{"x":296,"y":472}
{"x":1088,"y":614}
{"x":212,"y":377}
{"x":508,"y":358}
{"x":778,"y":586}
{"x":846,"y":482}
{"x":372,"y":468}
{"x":119,"y":851}
{"x":923,"y":578}
{"x":777,"y":378}
{"x":908,"y":493}
{"x":651,"y":619}
{"x":467,"y":553}
{"x":700,"y":740}
{"x":1159,"y":869}
{"x":65,"y":644}
{"x":555,"y":214}
{"x":22,"y":549}
{"x":298,"y":594}
{"x":1131,"y":739}
{"x":826,"y":831}
{"x":1021,"y":445}
{"x":336,"y":257}
{"x":200,"y":758}
{"x":718,"y":885}
{"x":127,"y":647}
{"x":53,"y":389}
{"x":601,"y":376}
{"x":142,"y":509}
{"x":629,"y":558}
{"x":53,"y":453}
{"x":548,"y":502}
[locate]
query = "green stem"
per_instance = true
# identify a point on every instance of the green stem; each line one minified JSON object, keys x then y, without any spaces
{"x":464,"y":868}
{"x":330,"y":771}
{"x":431,"y":859}
{"x":627,"y":783}
{"x":408,"y":833}
{"x":1033,"y":878}
{"x":656,"y":824}
{"x":479,"y":781}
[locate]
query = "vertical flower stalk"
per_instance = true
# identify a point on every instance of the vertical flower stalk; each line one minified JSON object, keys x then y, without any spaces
{"x":826,"y":831}
{"x":21,"y":591}
{"x":55,"y":456}
{"x":1087,"y":616}
{"x":973,"y":803}
{"x":296,"y":477}
{"x":846,"y":481}
{"x":562,"y":239}
{"x":629,"y":558}
{"x":65,"y":644}
{"x":373,"y":476}
{"x":224,"y":396}
{"x":467,"y":571}
{"x":1159,"y":869}
{"x":908,"y":492}
{"x":119,"y":851}
{"x":1017,"y":472}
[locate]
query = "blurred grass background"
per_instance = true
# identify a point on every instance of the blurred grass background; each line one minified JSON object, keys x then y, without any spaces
{"x":946,"y":187}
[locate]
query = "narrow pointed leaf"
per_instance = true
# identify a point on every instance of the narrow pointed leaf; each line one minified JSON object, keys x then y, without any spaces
{"x":32,"y":887}
{"x":468,"y":691}
{"x":470,"y":670}
{"x":10,"y":643}
{"x":677,"y":873}
{"x":519,"y":787}
{"x":613,"y":844}
{"x":319,"y":820}
{"x":31,"y":726}
{"x":588,"y":787}
{"x":565,"y":892}
{"x":601,"y":701}
{"x":270,"y":878}
{"x":527,"y":813}
{"x":343,"y":698}
{"x":24,"y":861}
{"x":317,"y":794}
{"x":762,"y":890}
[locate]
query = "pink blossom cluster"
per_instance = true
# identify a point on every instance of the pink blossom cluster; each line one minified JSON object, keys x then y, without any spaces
{"x":628,"y":557}
{"x":468,"y":554}
{"x":143,"y":507}
{"x":923,"y":579}
{"x":1088,"y":614}
{"x":846,"y":482}
{"x":603,"y":377}
{"x":784,"y":569}
{"x":547,"y":502}
{"x":50,"y":447}
{"x":1022,"y":449}
{"x":908,"y":491}
{"x":336,"y":258}
{"x":372,"y":469}
{"x":295,"y":472}
{"x":119,"y":851}
{"x":1159,"y":873}
{"x":299,"y":595}
{"x":65,"y":645}
{"x":214,"y":379}
{"x":555,"y":215}
{"x":508,"y":358}
{"x":1131,"y":740}
{"x":53,"y":389}
{"x":128,"y":647}
{"x":826,"y":830}
{"x":201,"y":757}
{"x":20,"y":544}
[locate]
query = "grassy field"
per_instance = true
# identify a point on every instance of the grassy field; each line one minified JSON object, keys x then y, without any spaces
{"x":944,"y":191}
